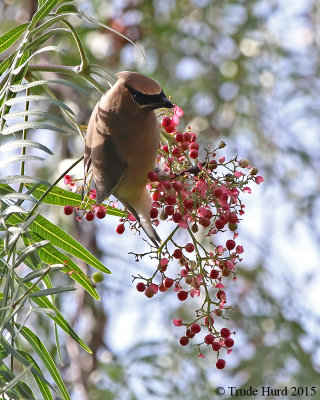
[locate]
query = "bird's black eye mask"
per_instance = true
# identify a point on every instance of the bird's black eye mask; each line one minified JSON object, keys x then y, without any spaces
{"x":150,"y":100}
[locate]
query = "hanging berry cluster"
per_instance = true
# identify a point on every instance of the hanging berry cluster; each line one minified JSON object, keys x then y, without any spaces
{"x":198,"y":192}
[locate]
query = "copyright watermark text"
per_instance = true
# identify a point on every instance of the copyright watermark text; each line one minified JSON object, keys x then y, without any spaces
{"x":267,"y":391}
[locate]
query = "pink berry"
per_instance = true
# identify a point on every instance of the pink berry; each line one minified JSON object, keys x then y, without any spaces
{"x":93,"y":194}
{"x":182,"y":295}
{"x":195,"y":328}
{"x":188,"y":204}
{"x":220,"y":364}
{"x":166,"y":121}
{"x":171,"y":199}
{"x":205,"y":222}
{"x":230,"y":244}
{"x":177,"y":186}
{"x":68,"y":210}
{"x":233,"y":218}
{"x":169,"y":210}
{"x":165,"y":148}
{"x":229,"y":342}
{"x":225,"y":332}
{"x":176,"y":151}
{"x":190,"y":334}
{"x":216,"y":346}
{"x":189,"y":247}
{"x":193,"y":153}
{"x":162,"y":288}
{"x":153,"y":176}
{"x":193,"y":137}
{"x":120,"y":229}
{"x":101,"y":212}
{"x":170,"y":128}
{"x":206,"y":321}
{"x":177,"y":253}
{"x":194,"y":146}
{"x":184,"y":340}
{"x":209,"y":339}
{"x":176,"y":217}
{"x":186,"y":137}
{"x":214,"y":274}
{"x":168,"y":282}
{"x":217,"y":192}
{"x":141,"y":287}
{"x":154,"y":287}
{"x":179,"y":137}
{"x":89,"y":216}
{"x":67,"y":179}
{"x":153,"y":213}
{"x":184,"y":146}
{"x":221,"y":294}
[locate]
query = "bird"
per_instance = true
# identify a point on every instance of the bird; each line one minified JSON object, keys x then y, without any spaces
{"x":122,"y":141}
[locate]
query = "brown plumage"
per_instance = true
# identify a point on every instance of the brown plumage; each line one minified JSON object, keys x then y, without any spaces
{"x":122,"y":142}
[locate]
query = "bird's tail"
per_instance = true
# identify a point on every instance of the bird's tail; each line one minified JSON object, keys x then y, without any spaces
{"x":141,"y":211}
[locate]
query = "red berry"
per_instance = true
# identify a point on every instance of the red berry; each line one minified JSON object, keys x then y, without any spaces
{"x":168,"y":282}
{"x":216,"y":346}
{"x":177,"y":186}
{"x":176,"y":217}
{"x":166,"y":121}
{"x":205,"y":222}
{"x":194,"y":146}
{"x":219,"y":223}
{"x":213,"y":164}
{"x":188,"y":204}
{"x":209,"y":339}
{"x":182,"y":295}
{"x":186,"y":137}
{"x":171,"y":199}
{"x":189,"y":247}
{"x":195,"y":328}
{"x":233,"y":218}
{"x":169,"y":210}
{"x":225,"y":332}
{"x":155,"y":196}
{"x":170,"y":128}
{"x":165,"y":148}
{"x":176,"y":152}
{"x":177,"y":253}
{"x":229,"y":342}
{"x":230,"y":244}
{"x":220,"y":364}
{"x":214,"y":274}
{"x":206,"y":321}
{"x":93,"y":194}
{"x":193,"y":153}
{"x":153,"y":213}
{"x":179,"y":137}
{"x":120,"y":229}
{"x":189,"y":334}
{"x":184,"y":340}
{"x":221,"y":294}
{"x":217,"y":192}
{"x":162,"y":288}
{"x":149,"y":292}
{"x":67,"y":179}
{"x":101,"y":212}
{"x":68,"y":210}
{"x":193,"y":137}
{"x":141,"y":287}
{"x":153,"y":176}
{"x":89,"y":216}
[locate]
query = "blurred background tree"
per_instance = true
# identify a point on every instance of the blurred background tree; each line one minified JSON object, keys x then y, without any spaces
{"x":245,"y":72}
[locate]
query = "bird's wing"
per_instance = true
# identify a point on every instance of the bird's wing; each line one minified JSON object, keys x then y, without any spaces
{"x":108,"y":168}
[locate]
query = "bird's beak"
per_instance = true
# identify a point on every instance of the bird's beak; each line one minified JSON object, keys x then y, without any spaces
{"x":166,"y":103}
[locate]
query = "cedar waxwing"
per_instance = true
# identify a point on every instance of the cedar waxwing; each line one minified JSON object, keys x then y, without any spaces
{"x":122,"y":142}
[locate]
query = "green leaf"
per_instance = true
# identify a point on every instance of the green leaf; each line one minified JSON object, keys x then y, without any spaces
{"x":27,"y":251}
{"x":49,"y":292}
{"x":39,"y":272}
{"x":50,"y":255}
{"x":10,"y":37}
{"x":18,"y":88}
{"x":19,"y":158}
{"x":14,"y":386}
{"x":44,"y":99}
{"x":21,"y":179}
{"x":44,"y":302}
{"x":24,"y":143}
{"x":43,"y":387}
{"x":20,"y":358}
{"x":14,"y":209}
{"x":6,"y":189}
{"x":43,"y":11}
{"x":67,"y":8}
{"x":44,"y":37}
{"x":17,"y":70}
{"x":4,"y":65}
{"x":30,"y":125}
{"x":58,"y":237}
{"x":46,"y":358}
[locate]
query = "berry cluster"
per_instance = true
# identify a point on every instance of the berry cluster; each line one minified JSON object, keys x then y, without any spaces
{"x":197,"y":192}
{"x":201,"y":199}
